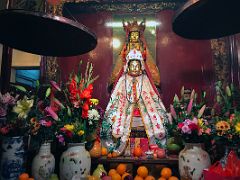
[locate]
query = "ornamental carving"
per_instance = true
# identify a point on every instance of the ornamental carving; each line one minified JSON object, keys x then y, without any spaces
{"x":221,"y":60}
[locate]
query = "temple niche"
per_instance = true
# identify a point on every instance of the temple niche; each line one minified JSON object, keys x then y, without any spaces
{"x":135,"y":110}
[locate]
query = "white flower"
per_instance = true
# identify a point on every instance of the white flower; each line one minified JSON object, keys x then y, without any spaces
{"x":93,"y":115}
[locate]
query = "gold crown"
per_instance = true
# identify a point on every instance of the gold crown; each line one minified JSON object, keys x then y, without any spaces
{"x":134,"y":26}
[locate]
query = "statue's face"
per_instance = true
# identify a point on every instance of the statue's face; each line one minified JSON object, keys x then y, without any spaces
{"x":134,"y":68}
{"x":134,"y":36}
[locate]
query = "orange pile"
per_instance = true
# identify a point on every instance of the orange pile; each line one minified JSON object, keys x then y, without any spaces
{"x":119,"y":173}
{"x":166,"y":173}
{"x":24,"y":176}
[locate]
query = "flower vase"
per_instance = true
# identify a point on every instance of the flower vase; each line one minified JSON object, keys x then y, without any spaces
{"x":43,"y":164}
{"x":12,"y":158}
{"x":192,"y":160}
{"x":99,"y":171}
{"x":75,"y":161}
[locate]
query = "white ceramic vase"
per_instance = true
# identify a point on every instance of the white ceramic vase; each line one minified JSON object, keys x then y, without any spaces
{"x":12,"y":158}
{"x":75,"y":162}
{"x":192,"y":160}
{"x":43,"y":164}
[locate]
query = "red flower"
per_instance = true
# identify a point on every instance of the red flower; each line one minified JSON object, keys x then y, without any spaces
{"x":68,"y":133}
{"x":193,"y":126}
{"x":90,"y":88}
{"x":85,"y":106}
{"x":85,"y":114}
{"x":86,"y":94}
{"x":180,"y":125}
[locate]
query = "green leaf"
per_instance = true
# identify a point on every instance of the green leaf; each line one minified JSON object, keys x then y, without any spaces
{"x":48,"y":91}
{"x":37,"y":83}
{"x":21,"y":88}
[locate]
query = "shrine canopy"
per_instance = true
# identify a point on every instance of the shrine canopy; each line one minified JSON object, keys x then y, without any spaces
{"x":44,"y":34}
{"x":207,"y":19}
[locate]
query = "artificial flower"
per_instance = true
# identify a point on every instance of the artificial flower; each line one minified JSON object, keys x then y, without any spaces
{"x":93,"y":115}
{"x":94,"y":101}
{"x":69,"y":127}
{"x":80,"y":133}
{"x":55,"y":85}
{"x":23,"y":107}
{"x":51,"y":113}
{"x":237,"y":128}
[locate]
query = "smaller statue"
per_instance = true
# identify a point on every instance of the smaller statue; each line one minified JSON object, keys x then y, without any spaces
{"x":133,"y":93}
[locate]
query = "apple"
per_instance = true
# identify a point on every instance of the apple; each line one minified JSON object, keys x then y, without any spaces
{"x":161,"y":153}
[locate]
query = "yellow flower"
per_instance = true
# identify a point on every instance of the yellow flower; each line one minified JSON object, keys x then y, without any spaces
{"x":23,"y":107}
{"x":69,"y":127}
{"x":81,"y":132}
{"x":237,"y":127}
{"x":222,"y":127}
{"x":200,"y":122}
{"x":94,"y":101}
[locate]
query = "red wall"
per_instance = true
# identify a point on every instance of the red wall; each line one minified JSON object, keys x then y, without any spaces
{"x":180,"y":61}
{"x":101,"y":56}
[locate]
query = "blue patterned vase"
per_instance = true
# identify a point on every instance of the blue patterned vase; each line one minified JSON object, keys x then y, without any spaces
{"x":12,"y":158}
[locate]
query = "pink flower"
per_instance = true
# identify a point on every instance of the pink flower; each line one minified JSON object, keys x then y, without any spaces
{"x":208,"y":131}
{"x":55,"y":85}
{"x":186,"y":130}
{"x":63,"y":129}
{"x":51,"y":113}
{"x":173,"y":112}
{"x":45,"y":123}
{"x":200,"y":131}
{"x":189,"y":108}
{"x":60,"y":138}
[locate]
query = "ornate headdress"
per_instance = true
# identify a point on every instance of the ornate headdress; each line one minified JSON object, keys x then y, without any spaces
{"x":134,"y":55}
{"x":134,"y":26}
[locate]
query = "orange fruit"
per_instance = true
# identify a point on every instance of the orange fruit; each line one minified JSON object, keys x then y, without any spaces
{"x":23,"y":176}
{"x":138,"y":178}
{"x":142,"y":171}
{"x":121,"y":169}
{"x":137,"y":151}
{"x":30,"y":179}
{"x":166,"y":172}
{"x":112,"y":172}
{"x":173,"y":178}
{"x":116,"y":176}
{"x":124,"y":175}
{"x":104,"y":151}
{"x":162,"y":178}
{"x":92,"y":178}
{"x":150,"y":178}
{"x":114,"y":154}
{"x":109,"y":155}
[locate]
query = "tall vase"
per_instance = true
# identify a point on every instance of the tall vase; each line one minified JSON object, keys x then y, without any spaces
{"x":43,"y":164}
{"x":75,"y":162}
{"x":12,"y":158}
{"x":192,"y":160}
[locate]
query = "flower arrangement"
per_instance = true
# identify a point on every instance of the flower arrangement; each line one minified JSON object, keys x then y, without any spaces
{"x":187,"y":121}
{"x":227,"y":116}
{"x":14,"y":110}
{"x":79,"y":119}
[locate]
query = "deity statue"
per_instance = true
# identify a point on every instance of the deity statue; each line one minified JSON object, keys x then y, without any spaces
{"x":134,"y":99}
